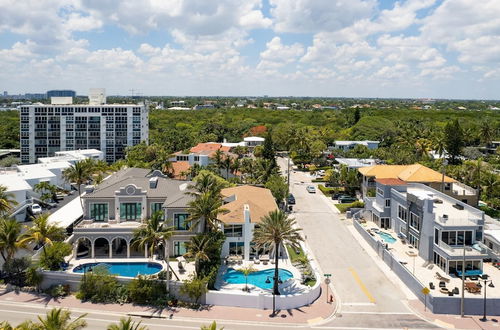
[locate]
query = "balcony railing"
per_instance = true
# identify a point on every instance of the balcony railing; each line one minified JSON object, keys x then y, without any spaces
{"x":477,"y":249}
{"x":452,"y":221}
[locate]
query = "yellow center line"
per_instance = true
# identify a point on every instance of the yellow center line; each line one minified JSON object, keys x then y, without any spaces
{"x":362,"y":285}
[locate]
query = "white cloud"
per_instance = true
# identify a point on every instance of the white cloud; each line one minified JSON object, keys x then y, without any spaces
{"x":311,"y":16}
{"x":277,"y":55}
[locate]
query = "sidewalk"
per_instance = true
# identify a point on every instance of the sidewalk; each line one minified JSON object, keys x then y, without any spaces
{"x":316,"y":313}
{"x":455,"y":321}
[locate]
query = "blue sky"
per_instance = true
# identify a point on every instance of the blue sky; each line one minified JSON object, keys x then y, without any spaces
{"x":345,"y":48}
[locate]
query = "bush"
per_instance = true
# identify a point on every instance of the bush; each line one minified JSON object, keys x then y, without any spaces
{"x":346,"y":207}
{"x":33,"y":277}
{"x":194,"y":288}
{"x":53,"y":255}
{"x":212,"y":277}
{"x":144,"y":291}
{"x":56,"y":291}
{"x":326,"y":191}
{"x":99,"y":286}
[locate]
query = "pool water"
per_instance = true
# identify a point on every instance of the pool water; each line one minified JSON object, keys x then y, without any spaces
{"x":387,"y":237}
{"x":126,"y":269}
{"x":259,"y":278}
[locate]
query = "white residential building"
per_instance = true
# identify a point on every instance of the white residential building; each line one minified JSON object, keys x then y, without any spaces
{"x":348,"y":145}
{"x":49,"y":128}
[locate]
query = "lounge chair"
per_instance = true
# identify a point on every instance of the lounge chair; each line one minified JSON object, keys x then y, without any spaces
{"x":256,"y":261}
{"x":442,"y":278}
{"x":442,"y":284}
{"x":431,"y":286}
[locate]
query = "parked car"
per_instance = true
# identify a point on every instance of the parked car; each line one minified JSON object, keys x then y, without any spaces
{"x":311,"y":189}
{"x":36,"y":209}
{"x":339,"y":195}
{"x":290,"y":199}
{"x":321,"y":173}
{"x":348,"y":199}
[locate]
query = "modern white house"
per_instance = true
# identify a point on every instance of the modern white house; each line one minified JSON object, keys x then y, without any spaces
{"x":348,"y":145}
{"x":355,"y":163}
{"x":246,"y":206}
{"x":440,"y":228}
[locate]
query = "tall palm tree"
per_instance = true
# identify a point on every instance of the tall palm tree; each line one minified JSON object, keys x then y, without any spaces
{"x":218,"y":158}
{"x":78,"y":173}
{"x":46,"y":188}
{"x":198,"y":248}
{"x":227,"y":164}
{"x":127,"y":324}
{"x":277,"y":229}
{"x":206,"y":182}
{"x":7,"y":200}
{"x":152,"y":234}
{"x":60,"y":319}
{"x":42,"y":233}
{"x":205,"y":207}
{"x":10,"y":230}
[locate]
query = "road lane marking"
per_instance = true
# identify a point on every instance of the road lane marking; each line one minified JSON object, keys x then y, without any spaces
{"x":358,"y":304}
{"x":362,"y":285}
{"x":376,"y":313}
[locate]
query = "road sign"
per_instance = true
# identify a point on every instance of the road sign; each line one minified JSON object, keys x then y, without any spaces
{"x":327,"y":281}
{"x":327,"y":275}
{"x":426,"y":291}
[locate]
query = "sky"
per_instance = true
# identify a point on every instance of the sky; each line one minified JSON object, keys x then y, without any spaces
{"x":335,"y":48}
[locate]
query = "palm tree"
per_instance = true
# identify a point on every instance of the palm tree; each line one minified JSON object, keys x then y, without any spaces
{"x":10,"y":230}
{"x":79,"y":173}
{"x":46,"y":190}
{"x":206,"y":182}
{"x":127,"y":324}
{"x":42,"y":233}
{"x":7,"y":200}
{"x":205,"y":207}
{"x":212,"y":326}
{"x":152,"y":234}
{"x":60,"y":319}
{"x":227,"y":164}
{"x":218,"y":158}
{"x":247,"y":271}
{"x":277,"y":229}
{"x":198,"y":248}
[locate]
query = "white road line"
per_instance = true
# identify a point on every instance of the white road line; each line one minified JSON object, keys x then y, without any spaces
{"x":358,"y":304}
{"x":377,"y":313}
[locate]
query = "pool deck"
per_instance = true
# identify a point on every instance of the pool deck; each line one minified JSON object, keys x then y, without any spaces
{"x":291,"y":286}
{"x":425,"y":272}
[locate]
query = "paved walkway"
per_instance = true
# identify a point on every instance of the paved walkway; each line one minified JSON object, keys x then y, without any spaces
{"x":315,"y":314}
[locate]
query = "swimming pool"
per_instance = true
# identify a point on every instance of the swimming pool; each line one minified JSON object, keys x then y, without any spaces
{"x":386,"y":237}
{"x":259,"y":278}
{"x":126,"y":269}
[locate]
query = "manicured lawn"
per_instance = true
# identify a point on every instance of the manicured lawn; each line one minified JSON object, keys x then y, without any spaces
{"x":292,"y":253}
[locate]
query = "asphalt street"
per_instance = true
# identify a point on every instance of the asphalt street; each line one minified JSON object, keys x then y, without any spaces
{"x":367,"y":297}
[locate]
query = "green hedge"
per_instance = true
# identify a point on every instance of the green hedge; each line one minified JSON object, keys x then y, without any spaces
{"x":328,"y":191}
{"x":494,"y":213}
{"x":345,"y":207}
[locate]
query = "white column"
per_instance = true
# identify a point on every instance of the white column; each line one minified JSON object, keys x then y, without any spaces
{"x":110,"y":249}
{"x":168,"y":265}
{"x":146,"y":251}
{"x":128,"y":249}
{"x":92,"y":248}
{"x":75,"y":248}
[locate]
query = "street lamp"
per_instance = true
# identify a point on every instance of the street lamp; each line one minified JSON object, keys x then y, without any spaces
{"x":463,"y":280}
{"x":485,"y":280}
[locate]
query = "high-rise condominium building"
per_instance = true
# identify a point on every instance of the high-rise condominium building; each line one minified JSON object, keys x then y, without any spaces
{"x":48,"y":128}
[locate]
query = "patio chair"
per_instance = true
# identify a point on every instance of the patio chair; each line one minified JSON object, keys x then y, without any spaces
{"x":442,"y":284}
{"x":431,"y":286}
{"x":455,"y":290}
{"x":256,"y":261}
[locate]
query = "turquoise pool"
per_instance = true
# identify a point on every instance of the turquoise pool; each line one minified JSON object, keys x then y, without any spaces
{"x":386,"y":237}
{"x":259,"y":278}
{"x":126,"y":269}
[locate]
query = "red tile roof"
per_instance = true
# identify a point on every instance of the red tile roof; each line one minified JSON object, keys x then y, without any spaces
{"x":391,"y":182}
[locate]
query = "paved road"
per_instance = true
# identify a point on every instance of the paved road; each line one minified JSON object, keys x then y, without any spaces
{"x":368,"y":299}
{"x":16,"y":313}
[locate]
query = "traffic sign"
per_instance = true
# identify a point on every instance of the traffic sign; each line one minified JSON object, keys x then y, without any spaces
{"x":327,"y":281}
{"x":426,"y":291}
{"x":327,"y":275}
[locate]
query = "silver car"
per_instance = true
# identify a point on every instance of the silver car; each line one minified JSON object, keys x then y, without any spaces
{"x":311,"y":189}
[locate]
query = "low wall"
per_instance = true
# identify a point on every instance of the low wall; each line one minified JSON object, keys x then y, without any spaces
{"x":438,"y":305}
{"x":262,"y":300}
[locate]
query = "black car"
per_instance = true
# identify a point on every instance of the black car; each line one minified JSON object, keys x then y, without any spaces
{"x":290,"y":199}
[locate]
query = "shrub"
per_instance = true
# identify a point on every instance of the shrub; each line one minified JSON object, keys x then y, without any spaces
{"x":99,"y":287}
{"x":346,"y":207}
{"x":326,"y":191}
{"x":194,"y":288}
{"x":53,"y":255}
{"x":33,"y":277}
{"x":144,"y":291}
{"x":212,"y":277}
{"x":56,"y":291}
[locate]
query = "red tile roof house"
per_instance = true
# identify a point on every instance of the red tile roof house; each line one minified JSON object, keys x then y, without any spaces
{"x":201,"y":154}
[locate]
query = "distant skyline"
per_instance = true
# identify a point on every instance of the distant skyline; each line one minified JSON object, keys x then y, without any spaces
{"x":336,"y":48}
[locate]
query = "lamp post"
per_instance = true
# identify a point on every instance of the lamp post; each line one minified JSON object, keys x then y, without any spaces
{"x":485,"y":280}
{"x":462,"y":299}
